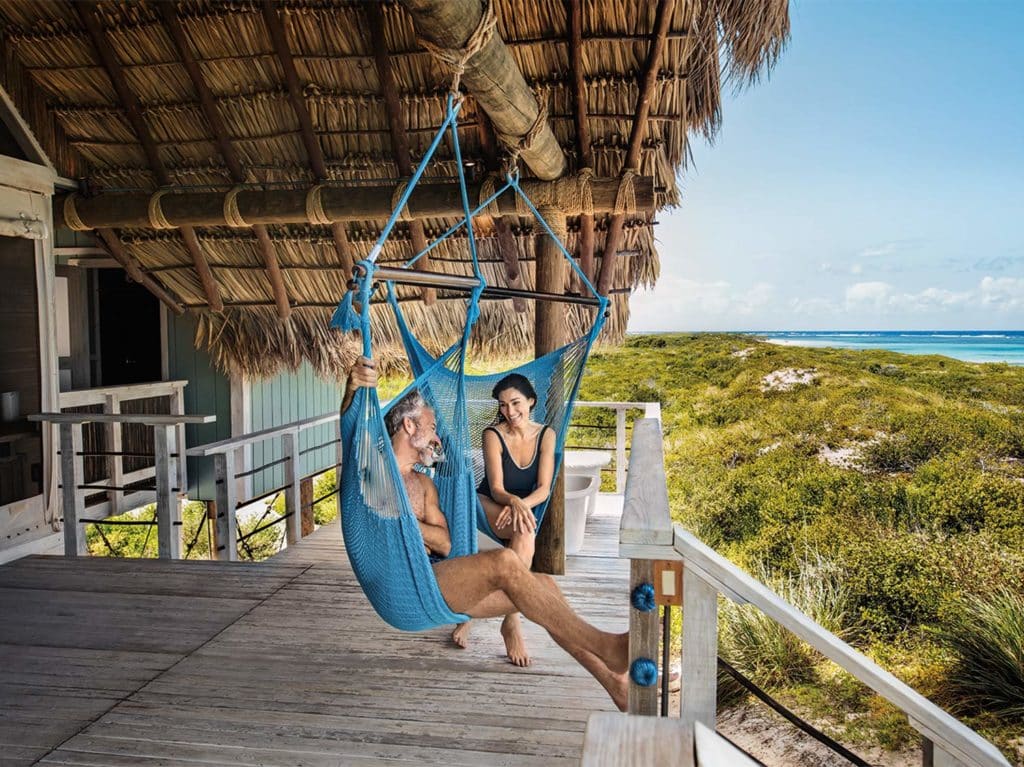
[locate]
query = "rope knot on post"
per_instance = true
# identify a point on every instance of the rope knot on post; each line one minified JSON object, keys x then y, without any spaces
{"x":396,"y":197}
{"x":643,"y":671}
{"x":457,"y":58}
{"x":625,"y":197}
{"x":642,"y":598}
{"x":315,"y":212}
{"x":71,"y":218}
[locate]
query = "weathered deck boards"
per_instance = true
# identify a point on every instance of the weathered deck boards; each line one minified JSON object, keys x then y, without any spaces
{"x":118,"y":662}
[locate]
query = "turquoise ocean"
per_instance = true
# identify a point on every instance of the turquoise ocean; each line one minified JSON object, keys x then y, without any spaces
{"x":967,"y":345}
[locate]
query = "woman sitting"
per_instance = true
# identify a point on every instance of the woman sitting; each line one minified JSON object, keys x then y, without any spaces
{"x":519,"y":466}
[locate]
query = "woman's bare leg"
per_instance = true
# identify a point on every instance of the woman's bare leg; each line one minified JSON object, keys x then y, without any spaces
{"x":522,"y":543}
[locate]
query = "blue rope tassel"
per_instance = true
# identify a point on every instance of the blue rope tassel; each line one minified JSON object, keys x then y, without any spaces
{"x":642,"y":598}
{"x":644,"y":672}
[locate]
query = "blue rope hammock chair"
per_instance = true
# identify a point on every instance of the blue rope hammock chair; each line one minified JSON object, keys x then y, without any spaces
{"x":382,"y":535}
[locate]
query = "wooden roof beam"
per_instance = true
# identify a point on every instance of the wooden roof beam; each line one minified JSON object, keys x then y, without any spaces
{"x":227,"y":151}
{"x":133,"y":110}
{"x":494,"y":79}
{"x":586,"y":155}
{"x":313,"y":150}
{"x":399,"y":141}
{"x":507,"y":248}
{"x":201,"y":207}
{"x":662,"y":22}
{"x":130,"y":265}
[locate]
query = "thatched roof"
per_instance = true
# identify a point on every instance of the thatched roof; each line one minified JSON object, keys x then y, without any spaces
{"x":53,"y":71}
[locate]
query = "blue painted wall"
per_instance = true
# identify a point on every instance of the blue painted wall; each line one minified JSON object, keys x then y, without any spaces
{"x":286,"y":398}
{"x":208,"y":393}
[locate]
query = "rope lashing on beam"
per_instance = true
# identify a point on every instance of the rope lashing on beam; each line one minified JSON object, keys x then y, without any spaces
{"x":71,"y":218}
{"x":157,"y":219}
{"x":487,"y":189}
{"x":519,"y":144}
{"x":396,"y":198}
{"x":625,"y":198}
{"x":315,"y":212}
{"x":457,"y":58}
{"x":232,"y":215}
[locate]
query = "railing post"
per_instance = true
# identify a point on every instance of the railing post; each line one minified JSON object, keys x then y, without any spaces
{"x":292,"y":491}
{"x":652,"y":410}
{"x":643,"y":640}
{"x":73,"y":500}
{"x":700,"y":651}
{"x":620,"y":449}
{"x":177,"y":407}
{"x":168,"y":509}
{"x":115,"y":464}
{"x":308,"y":512}
{"x":227,"y":536}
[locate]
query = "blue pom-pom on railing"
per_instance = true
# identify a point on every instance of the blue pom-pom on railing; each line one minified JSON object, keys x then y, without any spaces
{"x":643,"y":671}
{"x":642,"y":598}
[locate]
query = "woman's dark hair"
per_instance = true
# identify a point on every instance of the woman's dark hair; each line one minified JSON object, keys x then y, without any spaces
{"x":515,"y":381}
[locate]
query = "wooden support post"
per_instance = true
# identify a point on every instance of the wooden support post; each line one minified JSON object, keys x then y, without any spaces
{"x":176,"y":406}
{"x":115,"y":463}
{"x":643,"y":640}
{"x":73,"y":500}
{"x":292,"y":494}
{"x":620,"y":450}
{"x":168,"y":507}
{"x":549,"y":335}
{"x":306,"y":498}
{"x":700,"y":651}
{"x":227,"y":532}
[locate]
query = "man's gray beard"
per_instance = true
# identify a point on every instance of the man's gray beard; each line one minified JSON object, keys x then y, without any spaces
{"x":425,"y":450}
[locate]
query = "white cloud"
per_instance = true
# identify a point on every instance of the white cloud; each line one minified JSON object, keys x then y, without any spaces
{"x":1002,"y":293}
{"x":868,"y":295}
{"x":876,"y":251}
{"x":681,"y":303}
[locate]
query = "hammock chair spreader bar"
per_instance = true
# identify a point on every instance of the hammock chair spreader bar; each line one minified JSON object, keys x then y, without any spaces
{"x":458,"y":282}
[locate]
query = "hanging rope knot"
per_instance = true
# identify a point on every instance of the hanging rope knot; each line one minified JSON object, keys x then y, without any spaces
{"x":232,"y":215}
{"x":396,"y":197}
{"x":625,"y":197}
{"x":315,"y":212}
{"x":457,"y":58}
{"x":71,"y":218}
{"x":157,"y":219}
{"x":487,"y":190}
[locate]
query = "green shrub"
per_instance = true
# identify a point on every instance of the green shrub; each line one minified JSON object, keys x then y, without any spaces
{"x":986,"y":636}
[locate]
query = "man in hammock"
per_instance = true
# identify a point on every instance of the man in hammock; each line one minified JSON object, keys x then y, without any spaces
{"x":492,"y":583}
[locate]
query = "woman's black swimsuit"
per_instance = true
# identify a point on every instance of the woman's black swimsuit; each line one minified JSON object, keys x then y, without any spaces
{"x":518,"y":480}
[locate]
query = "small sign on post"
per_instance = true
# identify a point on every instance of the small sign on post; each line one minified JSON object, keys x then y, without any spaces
{"x":668,"y":582}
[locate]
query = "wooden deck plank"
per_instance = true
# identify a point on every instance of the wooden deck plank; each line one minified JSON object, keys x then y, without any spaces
{"x":144,"y":662}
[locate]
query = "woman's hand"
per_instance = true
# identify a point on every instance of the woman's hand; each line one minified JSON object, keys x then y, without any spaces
{"x":519,"y":515}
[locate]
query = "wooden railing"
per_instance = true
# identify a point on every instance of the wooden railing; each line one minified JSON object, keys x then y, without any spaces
{"x":168,"y":473}
{"x":647,"y":537}
{"x":120,"y":454}
{"x":227,"y":462}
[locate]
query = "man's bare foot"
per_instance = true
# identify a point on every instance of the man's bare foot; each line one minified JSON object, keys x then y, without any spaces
{"x":515,"y":647}
{"x":617,"y":659}
{"x":460,"y":636}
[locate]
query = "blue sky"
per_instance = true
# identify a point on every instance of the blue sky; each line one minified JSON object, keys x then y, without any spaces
{"x":874,"y":181}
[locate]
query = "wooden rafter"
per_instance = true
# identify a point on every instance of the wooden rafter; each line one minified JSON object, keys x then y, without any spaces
{"x":130,"y":265}
{"x":662,"y":22}
{"x":227,"y":150}
{"x":133,"y":110}
{"x":494,"y":79}
{"x":586,"y":155}
{"x":399,"y":141}
{"x":309,"y":140}
{"x":507,"y":248}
